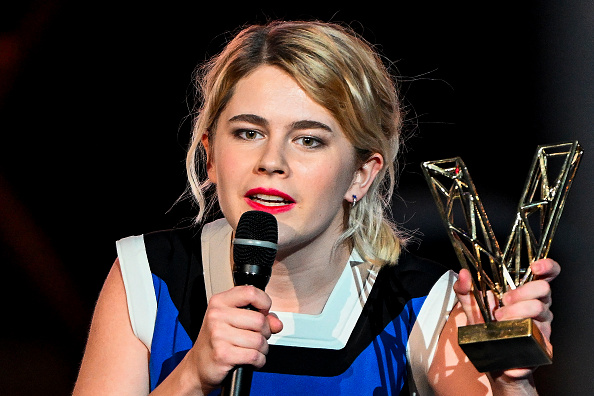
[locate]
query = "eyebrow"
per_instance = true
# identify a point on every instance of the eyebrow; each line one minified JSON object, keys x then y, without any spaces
{"x":309,"y":124}
{"x":251,"y":118}
{"x":297,"y":125}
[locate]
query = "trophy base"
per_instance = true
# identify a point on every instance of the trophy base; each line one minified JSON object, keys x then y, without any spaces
{"x":504,"y":345}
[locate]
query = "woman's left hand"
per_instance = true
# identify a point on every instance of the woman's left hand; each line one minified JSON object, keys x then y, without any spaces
{"x":531,"y":300}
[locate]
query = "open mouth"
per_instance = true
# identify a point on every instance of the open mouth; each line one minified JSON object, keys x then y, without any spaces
{"x":269,"y":200}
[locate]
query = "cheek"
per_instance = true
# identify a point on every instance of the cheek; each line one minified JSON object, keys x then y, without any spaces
{"x":225,"y":172}
{"x":224,"y":166}
{"x":328,"y":180}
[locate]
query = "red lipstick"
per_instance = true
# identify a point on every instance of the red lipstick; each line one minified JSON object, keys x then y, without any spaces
{"x":269,"y":200}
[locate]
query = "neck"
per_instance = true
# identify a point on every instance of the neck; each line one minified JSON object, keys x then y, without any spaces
{"x":303,"y":280}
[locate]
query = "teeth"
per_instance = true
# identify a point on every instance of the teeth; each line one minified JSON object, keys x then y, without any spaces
{"x":270,"y":200}
{"x":268,"y":197}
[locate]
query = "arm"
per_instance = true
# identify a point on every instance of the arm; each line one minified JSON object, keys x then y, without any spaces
{"x":451,"y":371}
{"x":116,"y":361}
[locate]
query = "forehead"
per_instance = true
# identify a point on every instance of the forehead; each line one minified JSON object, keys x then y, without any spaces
{"x":271,"y":93}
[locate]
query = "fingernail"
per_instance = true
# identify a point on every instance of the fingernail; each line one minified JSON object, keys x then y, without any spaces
{"x":536,"y":266}
{"x":497,"y":315}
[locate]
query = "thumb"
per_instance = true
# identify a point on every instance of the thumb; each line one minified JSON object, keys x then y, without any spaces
{"x":463,"y":290}
{"x":463,"y":285}
{"x":275,"y":323}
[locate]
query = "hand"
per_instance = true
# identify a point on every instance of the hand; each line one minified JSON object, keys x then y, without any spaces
{"x":231,"y":335}
{"x":531,"y":300}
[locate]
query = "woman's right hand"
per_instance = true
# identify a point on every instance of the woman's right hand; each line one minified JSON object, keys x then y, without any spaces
{"x":116,"y":361}
{"x":232,"y":335}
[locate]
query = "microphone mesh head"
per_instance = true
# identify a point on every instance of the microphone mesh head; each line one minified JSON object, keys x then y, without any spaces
{"x":260,"y":226}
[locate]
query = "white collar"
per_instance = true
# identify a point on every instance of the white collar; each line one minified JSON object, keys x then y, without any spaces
{"x":330,"y":329}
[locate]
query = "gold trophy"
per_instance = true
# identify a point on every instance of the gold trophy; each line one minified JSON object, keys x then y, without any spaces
{"x":506,"y":344}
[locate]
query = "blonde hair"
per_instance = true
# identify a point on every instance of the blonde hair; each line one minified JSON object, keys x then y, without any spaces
{"x":341,"y":72}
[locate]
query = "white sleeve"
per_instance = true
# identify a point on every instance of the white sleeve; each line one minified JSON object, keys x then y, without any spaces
{"x":138,"y":282}
{"x":423,"y":338}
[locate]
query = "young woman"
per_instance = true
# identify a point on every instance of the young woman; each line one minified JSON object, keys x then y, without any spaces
{"x":301,"y":120}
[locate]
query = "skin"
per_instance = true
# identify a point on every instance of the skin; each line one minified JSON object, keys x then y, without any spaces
{"x":286,"y":142}
{"x":273,"y":136}
{"x":451,"y":369}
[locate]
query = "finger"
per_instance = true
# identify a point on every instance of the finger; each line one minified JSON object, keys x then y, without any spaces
{"x":243,"y":296}
{"x":242,"y":339}
{"x":274,"y":323}
{"x":463,"y":290}
{"x":545,"y":269}
{"x":246,"y":319}
{"x":230,"y":356}
{"x":227,"y":334}
{"x":252,"y":357}
{"x":514,"y":374}
{"x":251,"y":340}
{"x":538,"y":289}
{"x":463,"y":285}
{"x":535,"y":309}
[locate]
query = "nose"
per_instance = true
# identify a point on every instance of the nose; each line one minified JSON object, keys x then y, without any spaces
{"x":273,"y":159}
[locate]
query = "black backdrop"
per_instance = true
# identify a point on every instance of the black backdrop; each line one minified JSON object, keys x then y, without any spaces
{"x":94,"y":100}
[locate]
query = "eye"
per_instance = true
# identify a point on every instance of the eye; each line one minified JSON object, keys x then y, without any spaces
{"x":248,"y":134}
{"x":309,"y":141}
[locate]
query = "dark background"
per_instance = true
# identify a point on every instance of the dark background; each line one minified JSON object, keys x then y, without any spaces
{"x":94,"y":104}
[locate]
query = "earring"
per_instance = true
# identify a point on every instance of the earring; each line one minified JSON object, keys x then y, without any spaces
{"x":354,"y":200}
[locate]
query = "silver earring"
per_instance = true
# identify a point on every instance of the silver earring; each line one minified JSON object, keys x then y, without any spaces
{"x":354,"y":200}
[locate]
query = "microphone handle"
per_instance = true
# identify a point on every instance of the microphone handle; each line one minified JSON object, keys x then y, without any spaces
{"x":238,"y":381}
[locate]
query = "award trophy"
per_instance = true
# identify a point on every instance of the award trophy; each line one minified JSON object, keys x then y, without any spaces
{"x":506,"y":344}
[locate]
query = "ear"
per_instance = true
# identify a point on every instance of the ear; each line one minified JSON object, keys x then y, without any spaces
{"x":364,"y":177}
{"x":210,"y":168}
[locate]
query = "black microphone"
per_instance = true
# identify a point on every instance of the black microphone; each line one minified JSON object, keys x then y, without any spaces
{"x":254,"y":251}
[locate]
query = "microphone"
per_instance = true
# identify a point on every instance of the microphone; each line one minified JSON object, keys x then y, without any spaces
{"x":254,"y":251}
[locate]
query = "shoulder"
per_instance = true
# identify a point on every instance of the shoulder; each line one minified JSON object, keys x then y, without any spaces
{"x":413,"y":274}
{"x":180,"y":241}
{"x":173,"y":252}
{"x":174,"y":265}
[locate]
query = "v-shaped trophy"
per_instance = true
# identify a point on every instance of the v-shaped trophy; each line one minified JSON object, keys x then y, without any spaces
{"x":502,"y":345}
